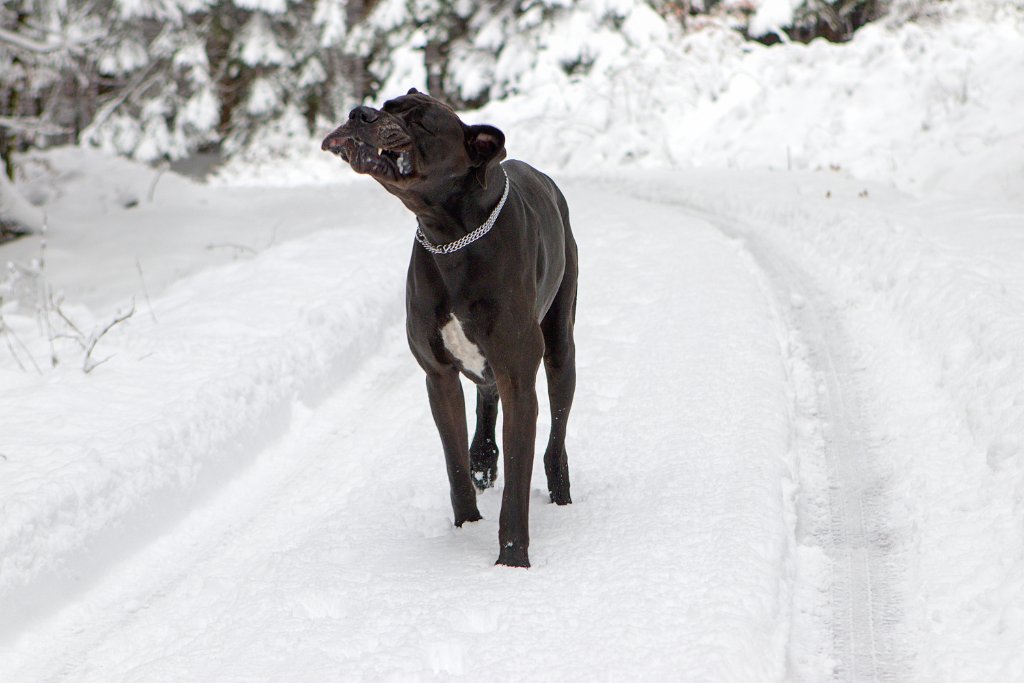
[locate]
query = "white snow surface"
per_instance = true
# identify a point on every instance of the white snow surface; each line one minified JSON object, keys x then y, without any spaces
{"x":797,"y":447}
{"x":197,"y":422}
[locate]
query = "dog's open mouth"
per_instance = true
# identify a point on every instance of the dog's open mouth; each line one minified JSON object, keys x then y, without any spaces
{"x":375,"y":161}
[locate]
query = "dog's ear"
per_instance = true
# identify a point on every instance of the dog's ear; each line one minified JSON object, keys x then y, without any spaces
{"x":413,"y":91}
{"x":485,"y":144}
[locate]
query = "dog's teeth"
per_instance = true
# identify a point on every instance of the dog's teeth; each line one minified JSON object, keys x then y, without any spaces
{"x":380,"y":150}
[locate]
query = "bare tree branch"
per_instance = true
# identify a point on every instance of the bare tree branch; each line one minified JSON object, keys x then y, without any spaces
{"x":31,"y":125}
{"x":138,"y":84}
{"x":23,"y":42}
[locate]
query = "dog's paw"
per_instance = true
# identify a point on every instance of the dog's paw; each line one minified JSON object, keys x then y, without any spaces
{"x":484,"y":477}
{"x":561,"y":497}
{"x":483,"y":459}
{"x":470,"y":516}
{"x":513,"y":556}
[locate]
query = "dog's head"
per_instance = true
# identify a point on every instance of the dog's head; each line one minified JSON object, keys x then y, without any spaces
{"x":413,"y":142}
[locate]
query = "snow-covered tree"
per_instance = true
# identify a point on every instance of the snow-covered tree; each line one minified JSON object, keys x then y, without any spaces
{"x":282,"y":71}
{"x":39,"y":46}
{"x":771,"y":21}
{"x":471,"y":52}
{"x":161,"y":79}
{"x":156,"y":95}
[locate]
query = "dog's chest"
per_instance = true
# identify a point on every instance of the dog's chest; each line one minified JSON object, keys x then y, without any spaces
{"x":465,"y":352}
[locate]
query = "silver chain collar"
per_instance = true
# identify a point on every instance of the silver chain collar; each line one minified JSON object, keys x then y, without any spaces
{"x":470,"y":237}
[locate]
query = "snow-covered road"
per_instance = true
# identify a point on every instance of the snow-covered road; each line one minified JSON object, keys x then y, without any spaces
{"x":731,"y":447}
{"x":845,"y":547}
{"x":336,"y":554}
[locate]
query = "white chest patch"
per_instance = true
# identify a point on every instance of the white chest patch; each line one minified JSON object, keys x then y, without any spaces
{"x":458,"y":345}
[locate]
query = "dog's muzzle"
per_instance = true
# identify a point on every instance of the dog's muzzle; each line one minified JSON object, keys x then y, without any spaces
{"x":372,"y":142}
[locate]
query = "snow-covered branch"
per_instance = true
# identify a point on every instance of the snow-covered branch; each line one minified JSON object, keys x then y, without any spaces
{"x":23,"y":42}
{"x":88,"y":364}
{"x":31,"y":125}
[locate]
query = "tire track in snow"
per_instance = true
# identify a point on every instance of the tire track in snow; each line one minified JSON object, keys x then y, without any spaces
{"x":288,"y":381}
{"x":844,"y":551}
{"x":198,"y":528}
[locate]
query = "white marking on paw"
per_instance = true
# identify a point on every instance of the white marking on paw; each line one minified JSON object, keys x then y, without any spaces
{"x":458,"y":345}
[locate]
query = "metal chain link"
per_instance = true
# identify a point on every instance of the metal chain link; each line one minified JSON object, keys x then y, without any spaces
{"x":470,"y":237}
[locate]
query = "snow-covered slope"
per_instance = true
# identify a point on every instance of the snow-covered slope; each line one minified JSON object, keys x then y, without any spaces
{"x":930,"y":106}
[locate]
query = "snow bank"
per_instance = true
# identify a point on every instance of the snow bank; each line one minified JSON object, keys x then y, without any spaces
{"x":226,"y":379}
{"x":966,"y":312}
{"x":201,"y":377}
{"x":936,"y":294}
{"x":929,"y":106}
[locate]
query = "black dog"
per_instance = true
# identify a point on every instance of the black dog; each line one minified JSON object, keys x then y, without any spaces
{"x":488,"y":303}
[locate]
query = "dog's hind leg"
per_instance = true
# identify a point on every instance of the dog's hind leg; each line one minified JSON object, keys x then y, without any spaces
{"x":560,"y":369}
{"x":559,"y":366}
{"x":483,"y":453}
{"x":448,"y":406}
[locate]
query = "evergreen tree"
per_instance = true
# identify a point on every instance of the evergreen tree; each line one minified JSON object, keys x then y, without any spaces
{"x":40,"y":43}
{"x":161,"y":79}
{"x":155,"y":96}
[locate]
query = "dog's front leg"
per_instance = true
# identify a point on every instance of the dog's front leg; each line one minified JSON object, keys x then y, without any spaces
{"x":449,"y":409}
{"x":483,"y":451}
{"x":518,"y":391}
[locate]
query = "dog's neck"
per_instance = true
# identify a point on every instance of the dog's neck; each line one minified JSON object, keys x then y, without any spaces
{"x":457,"y":208}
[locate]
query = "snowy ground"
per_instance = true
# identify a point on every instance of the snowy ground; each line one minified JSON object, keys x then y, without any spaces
{"x":797,"y":448}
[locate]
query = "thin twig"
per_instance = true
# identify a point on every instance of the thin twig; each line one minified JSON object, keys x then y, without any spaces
{"x":70,"y":323}
{"x":10,"y":347}
{"x":14,"y":355}
{"x":231,"y":245}
{"x":139,"y":83}
{"x":145,"y":292}
{"x":8,"y":335}
{"x":156,"y":178}
{"x":87,"y":364}
{"x":46,"y":294}
{"x":273,"y":235}
{"x":47,"y":299}
{"x":73,"y":337}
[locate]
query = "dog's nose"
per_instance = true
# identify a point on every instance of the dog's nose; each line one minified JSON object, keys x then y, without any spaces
{"x":364,"y":114}
{"x":330,"y":143}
